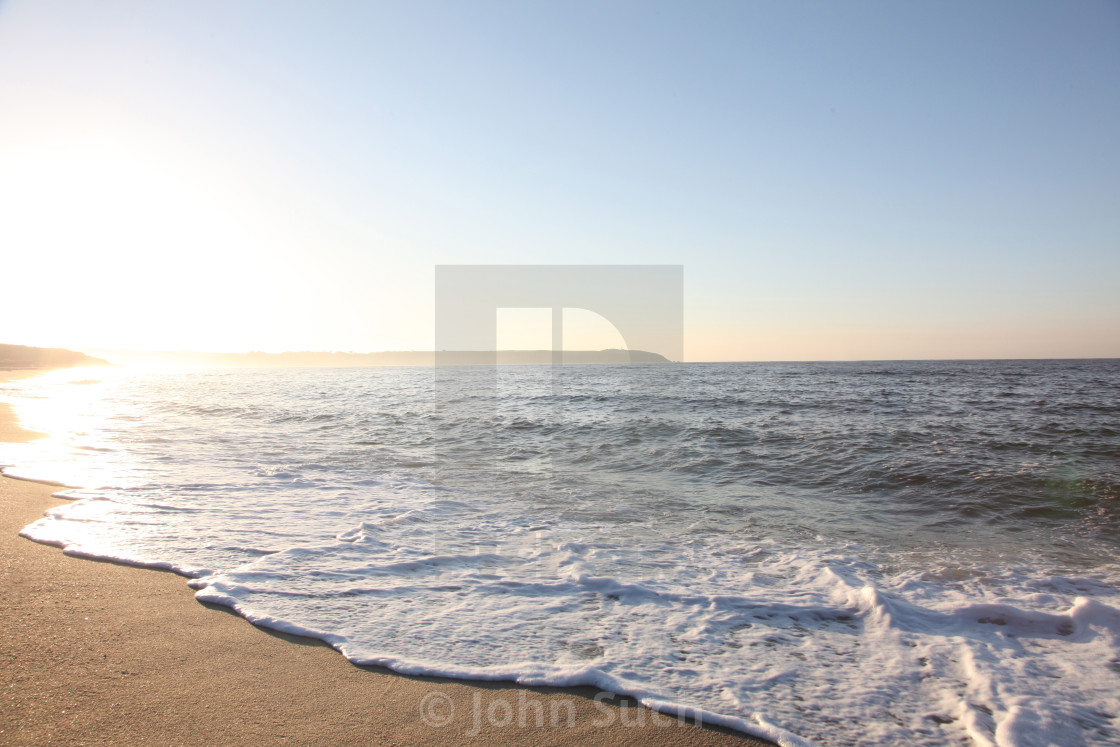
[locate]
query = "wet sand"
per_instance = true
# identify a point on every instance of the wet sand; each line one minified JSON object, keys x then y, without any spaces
{"x":96,"y":653}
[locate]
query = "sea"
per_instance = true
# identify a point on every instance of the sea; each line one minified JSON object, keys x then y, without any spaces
{"x":871,"y":553}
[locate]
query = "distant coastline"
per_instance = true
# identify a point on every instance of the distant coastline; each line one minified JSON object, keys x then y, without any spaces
{"x":394,"y":358}
{"x":23,"y":357}
{"x":20,"y":357}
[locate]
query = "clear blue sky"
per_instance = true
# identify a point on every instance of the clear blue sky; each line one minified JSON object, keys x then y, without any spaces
{"x":839,"y":179}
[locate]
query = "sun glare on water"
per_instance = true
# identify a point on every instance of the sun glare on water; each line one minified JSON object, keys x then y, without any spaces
{"x":72,"y":407}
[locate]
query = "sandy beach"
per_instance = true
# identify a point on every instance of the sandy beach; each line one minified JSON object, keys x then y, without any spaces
{"x":101,"y":653}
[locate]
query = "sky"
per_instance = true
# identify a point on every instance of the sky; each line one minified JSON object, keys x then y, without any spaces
{"x":839,"y":180}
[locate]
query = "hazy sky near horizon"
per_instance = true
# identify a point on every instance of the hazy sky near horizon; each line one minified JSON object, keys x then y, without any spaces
{"x":839,"y":179}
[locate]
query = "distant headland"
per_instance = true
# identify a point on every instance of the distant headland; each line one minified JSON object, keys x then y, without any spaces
{"x":393,"y":358}
{"x":16,"y":357}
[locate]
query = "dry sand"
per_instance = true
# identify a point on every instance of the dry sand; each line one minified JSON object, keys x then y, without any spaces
{"x":101,"y":653}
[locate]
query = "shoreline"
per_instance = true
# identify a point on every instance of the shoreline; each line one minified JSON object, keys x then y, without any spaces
{"x":96,"y":652}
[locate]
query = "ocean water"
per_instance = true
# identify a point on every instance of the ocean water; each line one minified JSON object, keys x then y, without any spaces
{"x":883,"y":553}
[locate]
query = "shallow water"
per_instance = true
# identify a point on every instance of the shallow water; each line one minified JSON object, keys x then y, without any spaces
{"x":863,"y":553}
